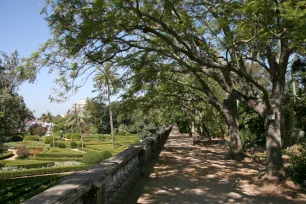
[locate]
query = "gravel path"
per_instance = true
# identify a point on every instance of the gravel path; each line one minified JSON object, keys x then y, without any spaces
{"x":192,"y":174}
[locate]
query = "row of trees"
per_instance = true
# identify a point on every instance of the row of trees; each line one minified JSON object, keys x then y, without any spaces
{"x":220,"y":52}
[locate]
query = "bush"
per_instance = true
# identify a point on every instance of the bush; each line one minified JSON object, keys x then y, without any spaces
{"x":34,"y":165}
{"x":80,"y":145}
{"x":61,"y":145}
{"x":101,"y":137}
{"x":23,"y":152}
{"x":75,"y":136}
{"x":58,"y":159}
{"x":248,"y":139}
{"x":56,"y":155}
{"x":38,"y":130}
{"x":297,"y":169}
{"x":68,"y":135}
{"x":16,"y":138}
{"x":73,"y":145}
{"x":106,"y":154}
{"x":48,"y":140}
{"x":40,"y":171}
{"x":92,"y":158}
{"x":30,"y":138}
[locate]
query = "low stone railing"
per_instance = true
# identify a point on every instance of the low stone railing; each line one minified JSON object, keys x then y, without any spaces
{"x":108,"y":182}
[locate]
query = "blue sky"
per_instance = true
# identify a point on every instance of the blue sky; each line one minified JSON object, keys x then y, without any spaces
{"x":23,"y":28}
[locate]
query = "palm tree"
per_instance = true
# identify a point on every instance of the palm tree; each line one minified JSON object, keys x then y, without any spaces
{"x":104,"y":79}
{"x":49,"y":118}
{"x":77,"y":119}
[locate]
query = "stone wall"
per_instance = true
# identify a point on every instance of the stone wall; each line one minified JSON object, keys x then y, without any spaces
{"x":108,"y":182}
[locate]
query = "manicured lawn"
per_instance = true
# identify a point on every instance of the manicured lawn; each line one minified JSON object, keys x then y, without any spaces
{"x":18,"y":190}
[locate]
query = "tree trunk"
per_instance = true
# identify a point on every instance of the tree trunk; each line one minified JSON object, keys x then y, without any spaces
{"x":206,"y":131}
{"x":230,"y":104}
{"x":81,"y":138}
{"x":110,"y":115}
{"x":273,"y":122}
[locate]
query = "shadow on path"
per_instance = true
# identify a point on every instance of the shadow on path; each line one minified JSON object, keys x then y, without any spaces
{"x":184,"y":173}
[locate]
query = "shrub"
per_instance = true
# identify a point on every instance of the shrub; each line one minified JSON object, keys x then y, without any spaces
{"x":23,"y":152}
{"x":68,"y":135}
{"x":248,"y":139}
{"x":16,"y":138}
{"x":297,"y":169}
{"x":38,"y":130}
{"x":31,"y":138}
{"x":101,"y":137}
{"x":61,"y":145}
{"x":92,"y":158}
{"x":75,"y":136}
{"x":48,"y":140}
{"x":35,"y":165}
{"x":80,"y":145}
{"x":57,"y":155}
{"x":59,"y":159}
{"x":73,"y":145}
{"x":40,"y":171}
{"x":106,"y":154}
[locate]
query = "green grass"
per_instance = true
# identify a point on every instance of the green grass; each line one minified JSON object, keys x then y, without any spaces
{"x":18,"y":190}
{"x":59,"y":151}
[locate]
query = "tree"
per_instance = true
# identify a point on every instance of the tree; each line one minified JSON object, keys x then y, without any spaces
{"x":212,"y":38}
{"x":13,"y":111}
{"x":104,"y":80}
{"x":49,"y":119}
{"x":77,"y":119}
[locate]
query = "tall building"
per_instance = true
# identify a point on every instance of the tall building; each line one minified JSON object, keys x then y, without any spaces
{"x":79,"y":106}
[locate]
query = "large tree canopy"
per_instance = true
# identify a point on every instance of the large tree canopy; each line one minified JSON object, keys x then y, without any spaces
{"x":222,"y":40}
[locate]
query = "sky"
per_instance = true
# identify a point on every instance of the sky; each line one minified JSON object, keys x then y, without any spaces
{"x":22,"y":28}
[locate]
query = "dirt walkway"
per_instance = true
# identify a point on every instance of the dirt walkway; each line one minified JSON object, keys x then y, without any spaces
{"x":15,"y":154}
{"x":191,"y":174}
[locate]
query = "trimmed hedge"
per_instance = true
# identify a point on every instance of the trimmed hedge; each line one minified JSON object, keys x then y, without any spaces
{"x":75,"y":136}
{"x":80,"y":145}
{"x":41,"y":171}
{"x":59,"y":155}
{"x":39,"y":165}
{"x":58,"y":144}
{"x":106,"y":154}
{"x":30,"y":138}
{"x":92,"y":157}
{"x":73,"y":145}
{"x":57,"y":159}
{"x":48,"y":140}
{"x":6,"y":155}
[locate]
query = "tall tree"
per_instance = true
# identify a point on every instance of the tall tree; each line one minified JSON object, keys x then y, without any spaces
{"x":213,"y":38}
{"x":77,"y":119}
{"x":104,"y":79}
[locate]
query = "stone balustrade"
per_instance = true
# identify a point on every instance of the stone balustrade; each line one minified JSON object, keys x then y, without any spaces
{"x":108,"y":182}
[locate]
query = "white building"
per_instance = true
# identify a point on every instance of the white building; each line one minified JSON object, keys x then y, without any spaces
{"x":79,"y":106}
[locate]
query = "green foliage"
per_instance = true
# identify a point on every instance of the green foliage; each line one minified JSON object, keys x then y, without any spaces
{"x":75,"y":136}
{"x":16,"y":138}
{"x":40,"y":171}
{"x":23,"y":152}
{"x":19,"y":190}
{"x":48,"y":140}
{"x":28,"y":164}
{"x":31,"y":138}
{"x":106,"y":154}
{"x":68,"y":135}
{"x":38,"y":130}
{"x":92,"y":158}
{"x":297,"y":168}
{"x":5,"y":155}
{"x":61,"y":145}
{"x":58,"y":144}
{"x":248,"y":139}
{"x":80,"y":145}
{"x":253,"y":124}
{"x":73,"y":145}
